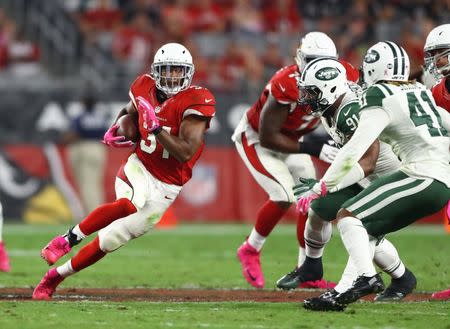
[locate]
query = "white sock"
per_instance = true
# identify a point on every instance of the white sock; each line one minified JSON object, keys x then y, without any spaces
{"x":317,"y":235}
{"x":386,"y":257}
{"x":65,"y":269}
{"x":301,"y":256}
{"x":76,"y":230}
{"x":348,"y":276}
{"x":356,"y":241}
{"x":256,"y":240}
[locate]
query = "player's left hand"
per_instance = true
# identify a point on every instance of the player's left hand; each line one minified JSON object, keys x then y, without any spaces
{"x":151,"y":122}
{"x":304,"y":202}
{"x":305,"y":185}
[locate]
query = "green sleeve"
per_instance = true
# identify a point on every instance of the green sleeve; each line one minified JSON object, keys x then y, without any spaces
{"x":374,"y":96}
{"x":348,"y":119}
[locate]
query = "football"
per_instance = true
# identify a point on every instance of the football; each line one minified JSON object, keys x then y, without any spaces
{"x":128,"y":127}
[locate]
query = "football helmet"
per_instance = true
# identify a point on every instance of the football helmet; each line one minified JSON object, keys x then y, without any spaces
{"x":172,"y":68}
{"x":321,"y":83}
{"x":314,"y":45}
{"x":437,"y":47}
{"x":385,"y":61}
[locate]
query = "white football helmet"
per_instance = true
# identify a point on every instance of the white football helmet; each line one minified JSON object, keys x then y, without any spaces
{"x":321,"y":83}
{"x":314,"y":45}
{"x":437,"y":47}
{"x":385,"y":61}
{"x":172,"y":68}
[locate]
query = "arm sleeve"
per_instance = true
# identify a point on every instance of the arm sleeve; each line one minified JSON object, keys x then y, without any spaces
{"x":352,"y":177}
{"x":354,"y":149}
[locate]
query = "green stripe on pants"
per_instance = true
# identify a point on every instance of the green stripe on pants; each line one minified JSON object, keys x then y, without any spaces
{"x":394,"y":201}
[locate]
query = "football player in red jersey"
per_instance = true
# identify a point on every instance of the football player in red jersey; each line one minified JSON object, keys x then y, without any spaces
{"x":269,"y":139}
{"x":437,"y":64}
{"x":173,"y":119}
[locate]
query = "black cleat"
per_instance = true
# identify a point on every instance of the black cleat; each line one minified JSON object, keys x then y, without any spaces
{"x":311,"y":270}
{"x":325,"y":302}
{"x":399,"y":288}
{"x":363,"y":286}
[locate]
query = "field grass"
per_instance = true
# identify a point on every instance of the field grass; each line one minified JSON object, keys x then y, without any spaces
{"x":203,"y":256}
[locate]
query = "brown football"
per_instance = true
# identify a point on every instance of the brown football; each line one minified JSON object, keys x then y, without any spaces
{"x":128,"y":127}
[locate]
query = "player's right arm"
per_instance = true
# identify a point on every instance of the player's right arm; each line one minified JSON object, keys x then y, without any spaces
{"x":273,"y":116}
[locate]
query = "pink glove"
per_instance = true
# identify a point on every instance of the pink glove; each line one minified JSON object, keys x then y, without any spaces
{"x":304,"y":202}
{"x":151,"y":122}
{"x":111,"y":139}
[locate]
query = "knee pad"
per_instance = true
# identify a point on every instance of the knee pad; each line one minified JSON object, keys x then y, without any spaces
{"x":112,"y":238}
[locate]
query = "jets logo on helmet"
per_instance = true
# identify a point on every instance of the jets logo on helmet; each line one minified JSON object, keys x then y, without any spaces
{"x":372,"y":57}
{"x":322,"y":82}
{"x":327,"y":73}
{"x":386,"y":61}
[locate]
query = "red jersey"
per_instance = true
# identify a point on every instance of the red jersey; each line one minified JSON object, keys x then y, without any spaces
{"x":441,"y":95}
{"x":283,"y":87}
{"x":192,"y":101}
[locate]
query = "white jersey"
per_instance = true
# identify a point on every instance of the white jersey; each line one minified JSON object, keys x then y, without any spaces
{"x":415,"y":130}
{"x":341,"y":127}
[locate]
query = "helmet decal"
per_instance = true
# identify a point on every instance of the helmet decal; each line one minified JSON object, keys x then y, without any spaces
{"x":372,"y":56}
{"x":327,"y":73}
{"x":399,"y":58}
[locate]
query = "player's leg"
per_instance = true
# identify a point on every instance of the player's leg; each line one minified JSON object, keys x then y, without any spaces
{"x":403,"y":281}
{"x":317,"y":234}
{"x":274,"y":177}
{"x":99,"y":218}
{"x":301,"y":166}
{"x":388,"y":204}
{"x":113,"y":236}
{"x":4,"y":259}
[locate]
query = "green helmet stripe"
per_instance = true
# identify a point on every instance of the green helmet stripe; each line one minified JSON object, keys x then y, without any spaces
{"x":394,"y":53}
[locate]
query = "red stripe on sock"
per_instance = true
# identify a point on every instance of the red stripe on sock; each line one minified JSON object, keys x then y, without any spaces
{"x":88,"y":255}
{"x":301,"y":224}
{"x":105,"y":214}
{"x":268,"y":217}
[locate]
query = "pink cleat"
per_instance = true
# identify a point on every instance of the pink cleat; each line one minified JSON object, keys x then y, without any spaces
{"x":318,"y":284}
{"x":251,"y":266}
{"x":441,"y":295}
{"x":55,"y":249}
{"x":45,"y":289}
{"x":4,"y":259}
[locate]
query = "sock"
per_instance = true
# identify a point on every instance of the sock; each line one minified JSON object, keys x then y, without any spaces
{"x":268,"y":217}
{"x":65,"y":269}
{"x":301,"y":223}
{"x":311,"y":269}
{"x":301,"y":256}
{"x":88,"y":255}
{"x":317,"y":234}
{"x":386,"y":257}
{"x":105,"y":214}
{"x":348,"y":276}
{"x":356,"y":241}
{"x":256,"y":240}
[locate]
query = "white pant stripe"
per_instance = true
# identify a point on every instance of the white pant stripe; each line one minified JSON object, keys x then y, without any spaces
{"x":379,"y":191}
{"x":395,"y":197}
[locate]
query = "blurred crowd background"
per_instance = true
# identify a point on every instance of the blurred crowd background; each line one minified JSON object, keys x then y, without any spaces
{"x":66,"y":66}
{"x":236,"y":44}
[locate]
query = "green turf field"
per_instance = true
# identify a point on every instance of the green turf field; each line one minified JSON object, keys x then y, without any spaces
{"x":203,"y":256}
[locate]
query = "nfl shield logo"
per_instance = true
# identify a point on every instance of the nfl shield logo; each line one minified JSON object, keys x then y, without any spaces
{"x":202,"y":188}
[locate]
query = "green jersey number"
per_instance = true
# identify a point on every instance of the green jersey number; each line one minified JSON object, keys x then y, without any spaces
{"x":423,"y":112}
